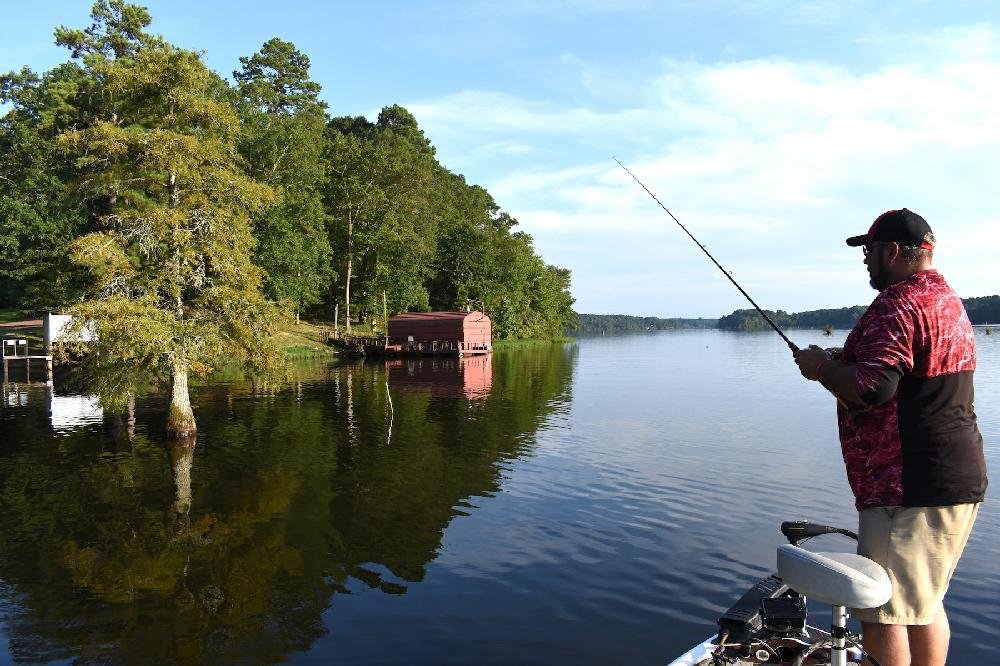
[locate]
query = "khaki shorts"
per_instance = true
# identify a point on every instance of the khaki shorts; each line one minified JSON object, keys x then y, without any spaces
{"x":919,"y":547}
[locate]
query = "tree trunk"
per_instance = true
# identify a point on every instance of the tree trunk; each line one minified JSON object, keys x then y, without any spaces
{"x":347,"y":288}
{"x":123,"y":425}
{"x":178,"y":302}
{"x":180,"y":421}
{"x":299,"y":304}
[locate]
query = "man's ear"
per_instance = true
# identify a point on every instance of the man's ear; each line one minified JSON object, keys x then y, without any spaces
{"x":895,"y":251}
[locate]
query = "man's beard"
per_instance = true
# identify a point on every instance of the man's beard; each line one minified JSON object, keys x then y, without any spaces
{"x":879,"y":278}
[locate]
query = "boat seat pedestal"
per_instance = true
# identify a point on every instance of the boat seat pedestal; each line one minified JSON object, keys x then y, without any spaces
{"x":843,"y":580}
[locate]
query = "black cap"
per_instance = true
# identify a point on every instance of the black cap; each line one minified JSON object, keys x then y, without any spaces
{"x":901,"y":226}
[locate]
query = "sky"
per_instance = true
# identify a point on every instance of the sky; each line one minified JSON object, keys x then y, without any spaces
{"x":772,"y":130}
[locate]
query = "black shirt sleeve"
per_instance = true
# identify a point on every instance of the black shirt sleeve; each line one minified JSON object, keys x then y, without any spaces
{"x":885,"y":386}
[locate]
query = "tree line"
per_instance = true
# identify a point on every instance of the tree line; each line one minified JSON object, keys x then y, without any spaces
{"x":593,"y":324}
{"x":134,"y":137}
{"x":981,"y":310}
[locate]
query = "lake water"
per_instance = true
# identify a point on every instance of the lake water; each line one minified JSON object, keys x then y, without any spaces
{"x":591,"y":503}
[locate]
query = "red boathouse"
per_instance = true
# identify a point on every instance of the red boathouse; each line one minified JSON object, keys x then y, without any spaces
{"x":460,"y":333}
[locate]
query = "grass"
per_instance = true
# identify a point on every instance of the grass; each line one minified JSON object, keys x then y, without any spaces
{"x":33,"y":334}
{"x":298,"y":352}
{"x":7,"y":315}
{"x":303,"y":340}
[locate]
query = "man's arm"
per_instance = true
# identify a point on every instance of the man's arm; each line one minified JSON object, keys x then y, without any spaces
{"x":838,"y":377}
{"x":841,"y":377}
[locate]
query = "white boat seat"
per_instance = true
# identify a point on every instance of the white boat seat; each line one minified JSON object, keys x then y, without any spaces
{"x":840,"y":579}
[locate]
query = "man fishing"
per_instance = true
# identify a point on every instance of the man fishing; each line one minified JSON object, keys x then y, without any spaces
{"x":908,"y":432}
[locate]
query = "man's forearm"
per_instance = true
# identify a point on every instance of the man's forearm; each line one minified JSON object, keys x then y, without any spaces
{"x":838,"y":377}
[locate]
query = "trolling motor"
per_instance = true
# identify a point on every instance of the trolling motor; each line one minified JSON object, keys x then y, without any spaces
{"x":768,"y":624}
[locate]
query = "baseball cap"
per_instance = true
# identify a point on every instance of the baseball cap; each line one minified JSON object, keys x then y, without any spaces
{"x":901,"y":226}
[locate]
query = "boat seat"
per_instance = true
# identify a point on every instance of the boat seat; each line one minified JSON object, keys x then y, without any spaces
{"x":839,"y":579}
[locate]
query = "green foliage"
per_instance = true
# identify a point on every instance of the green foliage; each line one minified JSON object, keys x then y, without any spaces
{"x":39,"y":219}
{"x":983,"y":309}
{"x":750,"y":320}
{"x":116,"y":31}
{"x":276,"y":80}
{"x":282,"y":146}
{"x":382,"y":218}
{"x":420,"y":234}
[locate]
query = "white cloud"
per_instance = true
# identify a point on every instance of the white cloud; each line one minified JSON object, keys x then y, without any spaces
{"x":775,"y":162}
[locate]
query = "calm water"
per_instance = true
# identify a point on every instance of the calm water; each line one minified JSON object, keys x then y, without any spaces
{"x":595,"y":503}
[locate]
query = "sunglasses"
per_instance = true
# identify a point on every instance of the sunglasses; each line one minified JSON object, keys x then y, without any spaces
{"x":867,"y":249}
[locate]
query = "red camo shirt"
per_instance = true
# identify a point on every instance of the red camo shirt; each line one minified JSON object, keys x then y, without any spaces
{"x":922,"y":447}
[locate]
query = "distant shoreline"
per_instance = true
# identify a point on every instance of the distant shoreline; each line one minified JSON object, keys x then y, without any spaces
{"x":982,"y":310}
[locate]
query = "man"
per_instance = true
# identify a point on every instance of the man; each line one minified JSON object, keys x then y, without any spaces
{"x":909,"y":436}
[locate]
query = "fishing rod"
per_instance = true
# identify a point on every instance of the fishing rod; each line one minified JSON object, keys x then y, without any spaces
{"x":791,"y":345}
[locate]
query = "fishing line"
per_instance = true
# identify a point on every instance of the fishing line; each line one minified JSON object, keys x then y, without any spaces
{"x":791,"y":345}
{"x":392,"y":410}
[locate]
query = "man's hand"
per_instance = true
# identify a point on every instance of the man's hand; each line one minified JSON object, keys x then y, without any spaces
{"x":838,"y":375}
{"x":809,"y":361}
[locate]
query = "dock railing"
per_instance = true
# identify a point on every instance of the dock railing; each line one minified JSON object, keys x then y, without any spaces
{"x":14,"y":346}
{"x":377,"y":346}
{"x":16,"y":349}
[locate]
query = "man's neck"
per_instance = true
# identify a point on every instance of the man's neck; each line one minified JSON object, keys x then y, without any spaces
{"x":919,"y":268}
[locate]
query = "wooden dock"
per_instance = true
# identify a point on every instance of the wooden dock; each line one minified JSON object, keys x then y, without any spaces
{"x":41,"y":360}
{"x":376,"y":346}
{"x":15,"y":353}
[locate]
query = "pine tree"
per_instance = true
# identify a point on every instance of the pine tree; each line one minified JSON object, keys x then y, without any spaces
{"x":283,"y":141}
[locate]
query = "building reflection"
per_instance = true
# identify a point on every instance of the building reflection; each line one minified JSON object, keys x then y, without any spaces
{"x":14,"y":395}
{"x":65,"y":411}
{"x":467,"y":376}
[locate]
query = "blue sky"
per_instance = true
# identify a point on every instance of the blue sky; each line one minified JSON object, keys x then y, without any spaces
{"x":773,"y":130}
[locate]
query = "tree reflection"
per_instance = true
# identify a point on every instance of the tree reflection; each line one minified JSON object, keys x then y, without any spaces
{"x":134,"y":549}
{"x":181,"y":458}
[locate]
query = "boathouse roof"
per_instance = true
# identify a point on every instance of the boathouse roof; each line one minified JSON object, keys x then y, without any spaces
{"x":459,"y":326}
